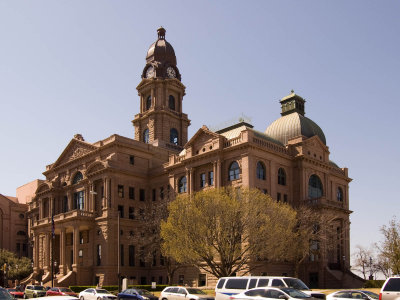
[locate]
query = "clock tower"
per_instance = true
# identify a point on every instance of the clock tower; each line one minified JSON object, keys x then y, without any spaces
{"x":161,"y":121}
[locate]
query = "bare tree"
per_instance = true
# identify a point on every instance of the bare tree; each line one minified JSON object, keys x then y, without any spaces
{"x":362,"y":261}
{"x":390,"y":247}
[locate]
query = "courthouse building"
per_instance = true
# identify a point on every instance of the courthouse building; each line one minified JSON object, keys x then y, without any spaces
{"x":90,"y":184}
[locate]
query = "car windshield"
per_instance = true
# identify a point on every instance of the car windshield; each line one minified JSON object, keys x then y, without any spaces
{"x":101,"y":291}
{"x":295,"y":293}
{"x":144,"y":292}
{"x":295,"y":283}
{"x":4,"y":295}
{"x":11,"y":290}
{"x":196,"y":291}
{"x":39,"y":288}
{"x":65,"y":290}
{"x":371,"y":294}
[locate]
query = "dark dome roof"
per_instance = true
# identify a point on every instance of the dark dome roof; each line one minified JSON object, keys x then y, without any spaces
{"x":161,"y":51}
{"x":293,"y":123}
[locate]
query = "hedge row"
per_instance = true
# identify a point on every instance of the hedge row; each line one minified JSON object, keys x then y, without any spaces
{"x":374,"y":284}
{"x":111,"y":288}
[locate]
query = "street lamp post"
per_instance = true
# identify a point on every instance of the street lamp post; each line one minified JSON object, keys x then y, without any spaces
{"x":371,"y":276}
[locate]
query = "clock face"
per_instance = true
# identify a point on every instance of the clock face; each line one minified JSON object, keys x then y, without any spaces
{"x":150,"y":72}
{"x":171,"y":72}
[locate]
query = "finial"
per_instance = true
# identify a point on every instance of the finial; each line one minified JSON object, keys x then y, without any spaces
{"x":79,"y":137}
{"x":161,"y":33}
{"x":292,"y":91}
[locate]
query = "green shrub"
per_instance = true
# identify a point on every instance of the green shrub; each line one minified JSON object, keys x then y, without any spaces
{"x":374,"y":284}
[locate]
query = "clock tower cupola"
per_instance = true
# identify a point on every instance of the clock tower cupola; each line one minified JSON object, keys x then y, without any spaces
{"x":161,"y":121}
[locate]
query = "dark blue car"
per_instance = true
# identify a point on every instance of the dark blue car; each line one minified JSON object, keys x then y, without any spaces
{"x":136,"y":294}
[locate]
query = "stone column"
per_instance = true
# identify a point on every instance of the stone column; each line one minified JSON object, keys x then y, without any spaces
{"x":87,"y":201}
{"x":35,"y":252}
{"x":191,"y":181}
{"x":215,"y":173}
{"x":40,"y":208}
{"x":47,"y":253}
{"x":75,"y":251}
{"x":70,"y":196}
{"x":105,"y":193}
{"x":51,"y":206}
{"x":219,"y":175}
{"x":62,"y":251}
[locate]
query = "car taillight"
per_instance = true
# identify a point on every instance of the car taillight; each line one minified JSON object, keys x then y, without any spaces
{"x":380,"y":296}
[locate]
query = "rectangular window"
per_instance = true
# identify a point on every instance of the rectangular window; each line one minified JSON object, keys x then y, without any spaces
{"x":131,"y":255}
{"x":65,"y":204}
{"x":79,"y":200}
{"x":81,"y":237}
{"x":120,"y":191}
{"x":160,"y":281}
{"x":278,"y":197}
{"x":98,"y":255}
{"x":131,"y":213}
{"x":161,"y":260}
{"x":181,"y":279}
{"x":122,"y":255}
{"x":265,"y":191}
{"x":132,"y":193}
{"x":162,"y":193}
{"x":202,"y":180}
{"x":141,"y":194}
{"x":121,"y":211}
{"x":285,"y":198}
{"x":202,"y":279}
{"x":154,"y":259}
{"x":154,"y":195}
{"x":211,"y":178}
{"x":131,"y":159}
{"x":141,"y":259}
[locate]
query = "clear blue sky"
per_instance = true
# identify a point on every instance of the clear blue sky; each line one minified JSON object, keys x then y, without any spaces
{"x":71,"y":67}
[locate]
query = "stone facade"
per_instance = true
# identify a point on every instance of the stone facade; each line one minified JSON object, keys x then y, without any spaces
{"x":74,"y":214}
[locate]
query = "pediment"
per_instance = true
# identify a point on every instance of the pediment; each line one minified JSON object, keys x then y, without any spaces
{"x":74,"y":150}
{"x":201,"y":137}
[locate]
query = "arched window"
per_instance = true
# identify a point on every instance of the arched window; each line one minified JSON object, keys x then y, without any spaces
{"x":146,"y":136}
{"x":171,"y":102}
{"x":148,"y":102}
{"x":173,"y":136}
{"x":281,"y":176}
{"x":234,"y":171}
{"x":78,"y":177}
{"x":260,"y":171}
{"x":182,"y":185}
{"x":314,"y":187}
{"x":339,"y":194}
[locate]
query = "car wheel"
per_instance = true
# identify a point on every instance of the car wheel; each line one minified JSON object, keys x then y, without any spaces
{"x":24,"y":296}
{"x":99,"y":298}
{"x":82,"y":298}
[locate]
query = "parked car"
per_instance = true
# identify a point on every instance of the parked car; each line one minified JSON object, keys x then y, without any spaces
{"x":15,"y":293}
{"x":352,"y":294}
{"x":61,"y":291}
{"x":390,"y":289}
{"x":96,"y":294}
{"x":138,"y":294}
{"x":180,"y":293}
{"x":284,"y":293}
{"x":5,"y":295}
{"x":227,"y":286}
{"x":34,"y":291}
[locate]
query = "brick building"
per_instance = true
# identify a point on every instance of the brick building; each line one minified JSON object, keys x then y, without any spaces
{"x":90,"y":184}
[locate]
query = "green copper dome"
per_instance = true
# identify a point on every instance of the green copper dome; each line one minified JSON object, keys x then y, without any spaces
{"x":293,"y":123}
